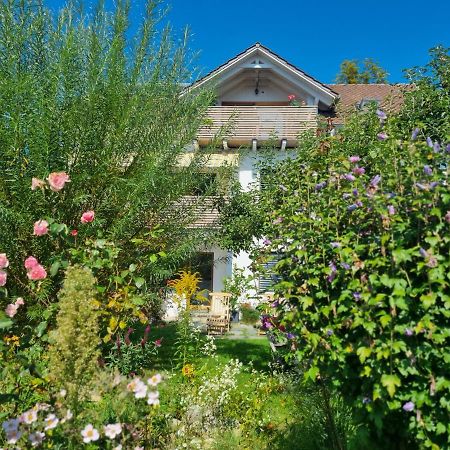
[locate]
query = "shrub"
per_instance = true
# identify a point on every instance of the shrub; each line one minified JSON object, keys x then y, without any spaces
{"x":74,"y":350}
{"x":250,"y":315}
{"x":364,"y":245}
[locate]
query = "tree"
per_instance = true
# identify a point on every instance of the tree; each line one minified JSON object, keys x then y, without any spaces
{"x":427,"y":103}
{"x":351,"y":72}
{"x":83,"y":95}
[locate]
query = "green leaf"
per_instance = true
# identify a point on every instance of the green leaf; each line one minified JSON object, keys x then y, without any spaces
{"x":391,"y":382}
{"x":312,"y":373}
{"x":54,"y":268}
{"x":5,"y":323}
{"x":363,"y":353}
{"x":41,"y":328}
{"x":139,"y":282}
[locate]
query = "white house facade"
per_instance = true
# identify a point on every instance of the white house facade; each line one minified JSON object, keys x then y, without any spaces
{"x":255,"y":94}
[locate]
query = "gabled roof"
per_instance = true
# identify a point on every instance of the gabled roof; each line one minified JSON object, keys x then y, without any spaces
{"x":261,"y":49}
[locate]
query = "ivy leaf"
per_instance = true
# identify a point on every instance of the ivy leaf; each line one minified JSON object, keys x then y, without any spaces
{"x":391,"y":382}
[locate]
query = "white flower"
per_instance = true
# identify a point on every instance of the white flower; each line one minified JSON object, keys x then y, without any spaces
{"x":50,"y":422}
{"x":42,"y":406}
{"x":62,"y":393}
{"x":112,"y":430}
{"x":119,"y":447}
{"x":153,"y":398}
{"x":131,"y":386}
{"x":11,"y":425}
{"x":138,"y":448}
{"x":29,"y":416}
{"x":89,"y":434}
{"x":154,"y":380}
{"x":68,"y":416}
{"x":140,"y":390}
{"x":13,"y":436}
{"x":36,"y":438}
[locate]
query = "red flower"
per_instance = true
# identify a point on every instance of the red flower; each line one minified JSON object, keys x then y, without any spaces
{"x":74,"y":232}
{"x":158,"y":342}
{"x":291,"y":97}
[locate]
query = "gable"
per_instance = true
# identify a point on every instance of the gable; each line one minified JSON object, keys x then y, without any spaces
{"x":258,"y":75}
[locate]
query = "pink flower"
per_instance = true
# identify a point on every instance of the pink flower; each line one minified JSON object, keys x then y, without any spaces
{"x":57,"y":180}
{"x":11,"y":310}
{"x":4,"y":263}
{"x":19,"y":301}
{"x":40,"y":228}
{"x":158,"y":342}
{"x":74,"y":232}
{"x":354,"y":159}
{"x":447,"y":217}
{"x":3,"y":277}
{"x":359,"y":170}
{"x":37,"y":183}
{"x":291,"y":97}
{"x":31,"y":262}
{"x":87,"y":217}
{"x":37,"y":273}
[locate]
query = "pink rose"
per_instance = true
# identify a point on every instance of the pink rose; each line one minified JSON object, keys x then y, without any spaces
{"x":57,"y":180}
{"x":31,"y":262}
{"x":11,"y":310}
{"x":87,"y":217}
{"x":3,"y":277}
{"x":37,"y":273}
{"x":4,"y":263}
{"x":37,"y":183}
{"x":40,"y":228}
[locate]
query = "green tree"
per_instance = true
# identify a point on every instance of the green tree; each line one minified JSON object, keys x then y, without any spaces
{"x":82,"y":94}
{"x":353,"y":72}
{"x":427,"y":103}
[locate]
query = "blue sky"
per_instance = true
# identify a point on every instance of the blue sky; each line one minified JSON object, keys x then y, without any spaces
{"x":315,"y":36}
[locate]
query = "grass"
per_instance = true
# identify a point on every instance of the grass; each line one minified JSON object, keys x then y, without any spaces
{"x":254,"y":352}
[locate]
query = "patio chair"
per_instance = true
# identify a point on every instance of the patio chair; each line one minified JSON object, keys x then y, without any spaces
{"x":218,"y":321}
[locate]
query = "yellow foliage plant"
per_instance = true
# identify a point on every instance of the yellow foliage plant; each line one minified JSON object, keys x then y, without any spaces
{"x":186,"y":286}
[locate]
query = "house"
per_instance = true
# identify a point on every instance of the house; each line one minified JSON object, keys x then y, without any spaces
{"x":255,"y":92}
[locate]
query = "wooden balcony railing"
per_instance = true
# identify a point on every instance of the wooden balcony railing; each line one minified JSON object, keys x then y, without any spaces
{"x":240,"y":125}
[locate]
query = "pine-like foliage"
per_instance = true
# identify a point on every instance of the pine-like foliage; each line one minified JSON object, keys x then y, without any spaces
{"x":74,"y":352}
{"x":82,"y":94}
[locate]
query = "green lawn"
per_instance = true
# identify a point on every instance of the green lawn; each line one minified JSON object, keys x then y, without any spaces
{"x":255,"y":351}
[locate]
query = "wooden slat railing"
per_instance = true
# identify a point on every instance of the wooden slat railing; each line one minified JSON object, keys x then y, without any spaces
{"x":239,"y":125}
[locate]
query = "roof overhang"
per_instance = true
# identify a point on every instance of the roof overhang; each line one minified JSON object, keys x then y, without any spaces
{"x":320,"y":92}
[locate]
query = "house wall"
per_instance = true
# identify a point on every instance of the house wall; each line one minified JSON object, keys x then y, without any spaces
{"x":248,"y":174}
{"x":222,"y":266}
{"x":269,"y":90}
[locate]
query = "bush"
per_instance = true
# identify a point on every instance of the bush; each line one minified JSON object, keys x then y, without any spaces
{"x":365,"y":274}
{"x":250,"y":315}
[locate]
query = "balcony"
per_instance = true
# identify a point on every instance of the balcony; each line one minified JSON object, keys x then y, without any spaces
{"x":235,"y":126}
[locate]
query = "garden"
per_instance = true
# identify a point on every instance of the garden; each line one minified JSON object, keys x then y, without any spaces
{"x":352,"y":350}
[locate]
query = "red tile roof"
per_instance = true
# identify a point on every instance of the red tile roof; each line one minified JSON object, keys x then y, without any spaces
{"x":389,"y":96}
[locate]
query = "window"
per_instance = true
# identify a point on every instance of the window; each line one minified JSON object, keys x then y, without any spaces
{"x":268,"y":278}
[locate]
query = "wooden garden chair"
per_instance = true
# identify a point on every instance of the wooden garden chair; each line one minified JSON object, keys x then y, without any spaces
{"x":219,"y":316}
